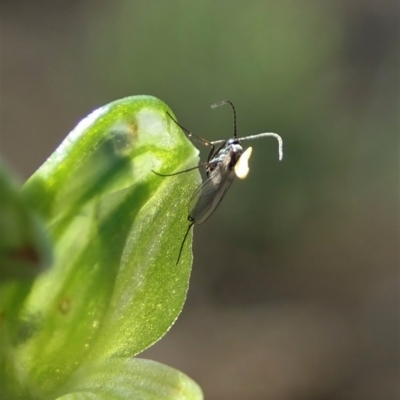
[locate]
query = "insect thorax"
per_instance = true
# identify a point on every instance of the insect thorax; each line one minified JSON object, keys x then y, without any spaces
{"x":227,"y":157}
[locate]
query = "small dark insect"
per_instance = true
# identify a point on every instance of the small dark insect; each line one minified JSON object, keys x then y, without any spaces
{"x":223,"y":164}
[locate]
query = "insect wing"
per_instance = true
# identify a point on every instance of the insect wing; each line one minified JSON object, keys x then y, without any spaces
{"x":207,"y":197}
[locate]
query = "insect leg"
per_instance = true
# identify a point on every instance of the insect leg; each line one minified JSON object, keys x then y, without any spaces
{"x":185,"y":170}
{"x":190,"y":134}
{"x":212,"y":154}
{"x":184,"y":239}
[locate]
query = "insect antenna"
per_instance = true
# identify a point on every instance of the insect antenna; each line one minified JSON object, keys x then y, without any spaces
{"x":183,"y":241}
{"x":223,"y":102}
{"x":275,"y":135}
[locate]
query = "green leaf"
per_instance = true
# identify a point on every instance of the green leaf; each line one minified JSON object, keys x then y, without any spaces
{"x":130,"y":379}
{"x":114,"y":288}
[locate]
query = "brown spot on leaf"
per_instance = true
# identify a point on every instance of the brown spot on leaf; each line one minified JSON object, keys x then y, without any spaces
{"x":123,"y":136}
{"x":65,"y":305}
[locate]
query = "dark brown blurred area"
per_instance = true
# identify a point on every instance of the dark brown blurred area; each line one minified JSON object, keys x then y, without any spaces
{"x":295,"y":284}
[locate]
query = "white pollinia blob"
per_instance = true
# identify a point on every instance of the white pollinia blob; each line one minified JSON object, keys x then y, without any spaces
{"x":242,"y":166}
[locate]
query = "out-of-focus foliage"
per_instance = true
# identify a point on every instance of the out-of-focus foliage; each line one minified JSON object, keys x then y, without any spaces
{"x":24,"y":247}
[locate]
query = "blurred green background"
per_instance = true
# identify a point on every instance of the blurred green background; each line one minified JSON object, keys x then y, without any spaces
{"x":295,"y":287}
